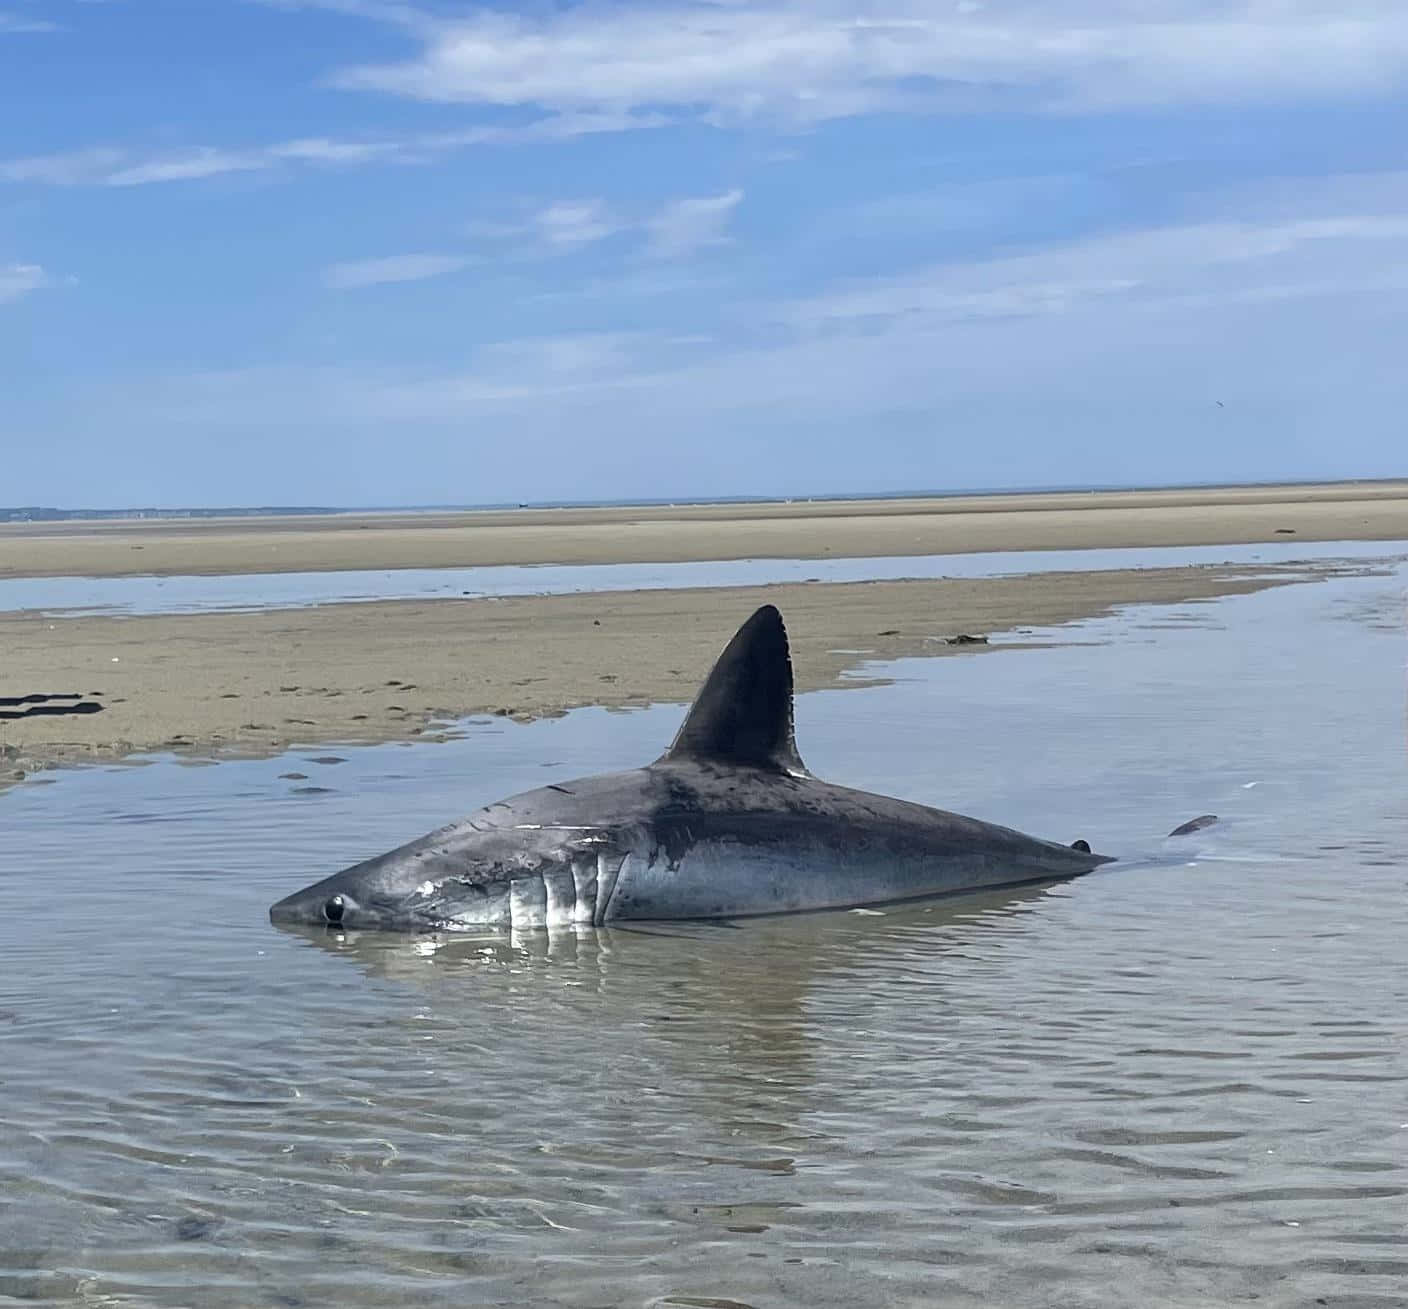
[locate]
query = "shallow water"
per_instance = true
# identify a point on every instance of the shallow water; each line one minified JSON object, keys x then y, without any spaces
{"x":71,"y":597}
{"x":1182,"y":1080}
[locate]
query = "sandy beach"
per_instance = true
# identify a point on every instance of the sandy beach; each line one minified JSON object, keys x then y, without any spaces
{"x":1352,"y":511}
{"x":225,"y":683}
{"x":256,"y":683}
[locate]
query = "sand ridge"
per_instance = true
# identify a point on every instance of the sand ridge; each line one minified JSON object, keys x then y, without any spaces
{"x":397,"y":670}
{"x":219,"y":684}
{"x":664,"y":534}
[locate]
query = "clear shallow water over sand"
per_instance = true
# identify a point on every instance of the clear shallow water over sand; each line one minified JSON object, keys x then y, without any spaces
{"x":247,"y":592}
{"x":1181,"y":1080}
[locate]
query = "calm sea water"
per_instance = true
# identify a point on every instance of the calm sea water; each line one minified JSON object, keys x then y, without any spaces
{"x":1182,"y":1080}
{"x":71,"y":597}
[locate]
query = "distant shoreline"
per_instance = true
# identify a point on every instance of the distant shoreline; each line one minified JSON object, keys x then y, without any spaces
{"x":798,"y":529}
{"x":137,"y":513}
{"x":401,"y":670}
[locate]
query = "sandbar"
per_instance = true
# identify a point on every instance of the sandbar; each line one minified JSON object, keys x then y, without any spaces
{"x":256,"y":683}
{"x":804,"y":529}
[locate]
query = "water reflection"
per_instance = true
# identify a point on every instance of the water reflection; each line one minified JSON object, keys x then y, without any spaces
{"x":62,"y":597}
{"x":745,"y":988}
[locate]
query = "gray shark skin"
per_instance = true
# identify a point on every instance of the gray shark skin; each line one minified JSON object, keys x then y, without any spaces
{"x":728,"y":823}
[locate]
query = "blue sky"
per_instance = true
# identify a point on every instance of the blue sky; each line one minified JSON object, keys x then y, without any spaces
{"x":365,"y":252}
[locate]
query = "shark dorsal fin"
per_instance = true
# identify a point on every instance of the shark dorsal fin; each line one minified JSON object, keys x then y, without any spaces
{"x":743,"y":712}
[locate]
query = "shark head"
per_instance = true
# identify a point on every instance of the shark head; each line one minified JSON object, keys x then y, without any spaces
{"x":363,"y":896}
{"x":742,"y":717}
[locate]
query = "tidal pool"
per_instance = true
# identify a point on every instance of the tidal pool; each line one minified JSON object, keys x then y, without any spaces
{"x":1181,"y":1080}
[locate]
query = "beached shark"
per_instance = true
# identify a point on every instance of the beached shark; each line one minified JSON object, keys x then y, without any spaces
{"x":727,"y":823}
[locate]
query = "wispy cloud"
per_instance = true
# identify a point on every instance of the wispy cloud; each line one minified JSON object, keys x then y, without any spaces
{"x":380,"y":11}
{"x":541,"y":364}
{"x":678,"y":228}
{"x":108,"y":166}
{"x":607,"y":67}
{"x":1209,"y":261}
{"x":569,"y":224}
{"x":18,"y":280}
{"x":23,"y":23}
{"x":72,"y":168}
{"x":209,"y":162}
{"x":1111,"y":302}
{"x":1093,"y":360}
{"x":811,"y":60}
{"x":116,"y":166}
{"x":604,"y":66}
{"x":392,"y":268}
{"x":690,"y":224}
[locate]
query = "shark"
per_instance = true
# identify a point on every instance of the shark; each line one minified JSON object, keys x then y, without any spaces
{"x":728,"y":823}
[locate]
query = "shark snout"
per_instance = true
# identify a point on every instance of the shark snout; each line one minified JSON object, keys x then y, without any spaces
{"x":363,"y":896}
{"x":328,"y":903}
{"x":307,"y":909}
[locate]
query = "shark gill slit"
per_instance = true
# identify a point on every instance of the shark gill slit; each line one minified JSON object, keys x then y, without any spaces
{"x":528,"y":902}
{"x":608,"y":874}
{"x":560,"y":894}
{"x":584,"y":889}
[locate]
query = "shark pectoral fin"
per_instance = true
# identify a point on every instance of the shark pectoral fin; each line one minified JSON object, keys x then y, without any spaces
{"x":743,"y":712}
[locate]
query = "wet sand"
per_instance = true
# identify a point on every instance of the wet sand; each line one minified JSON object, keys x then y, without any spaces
{"x":1360,"y":511}
{"x":256,"y":683}
{"x":214,"y":683}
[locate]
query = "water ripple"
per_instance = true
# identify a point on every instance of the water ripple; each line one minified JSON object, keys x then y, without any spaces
{"x":1180,"y":1081}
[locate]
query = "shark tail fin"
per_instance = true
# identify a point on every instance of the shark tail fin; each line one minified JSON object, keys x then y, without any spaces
{"x":743,"y":712}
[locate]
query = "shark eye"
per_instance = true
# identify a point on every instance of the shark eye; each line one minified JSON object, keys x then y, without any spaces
{"x":333,"y":910}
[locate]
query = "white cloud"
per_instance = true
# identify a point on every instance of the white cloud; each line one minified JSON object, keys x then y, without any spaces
{"x":110,"y":166}
{"x":687,"y":225}
{"x":604,"y":66}
{"x":1096,"y":360}
{"x":381,"y":11}
{"x":211,"y":162}
{"x":19,"y":23}
{"x":20,"y":279}
{"x":1210,"y":261}
{"x":74,"y":168}
{"x":574,"y":223}
{"x":17,"y":280}
{"x":1067,"y":323}
{"x":550,"y":362}
{"x":810,"y":60}
{"x":557,"y":228}
{"x":113,"y":166}
{"x":678,"y":228}
{"x":392,"y":268}
{"x":189,"y":167}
